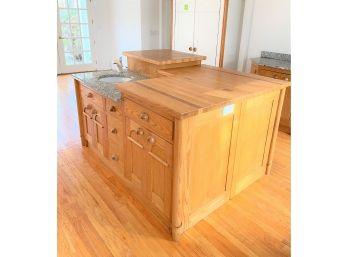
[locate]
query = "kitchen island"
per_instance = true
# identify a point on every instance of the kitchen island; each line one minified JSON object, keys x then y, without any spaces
{"x":188,"y":139}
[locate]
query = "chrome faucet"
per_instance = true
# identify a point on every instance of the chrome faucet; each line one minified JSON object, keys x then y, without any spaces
{"x":119,"y":65}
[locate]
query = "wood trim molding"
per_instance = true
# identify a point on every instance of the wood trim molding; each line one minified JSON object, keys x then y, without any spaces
{"x":171,"y":23}
{"x":223,"y":35}
{"x":245,"y":34}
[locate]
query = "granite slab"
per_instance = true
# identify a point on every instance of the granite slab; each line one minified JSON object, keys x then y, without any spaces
{"x":93,"y":81}
{"x":274,"y":60}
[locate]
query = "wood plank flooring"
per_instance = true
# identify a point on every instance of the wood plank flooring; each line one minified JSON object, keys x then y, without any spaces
{"x":97,"y":216}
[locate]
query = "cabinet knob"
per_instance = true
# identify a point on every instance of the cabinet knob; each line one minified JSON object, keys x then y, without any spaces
{"x":144,"y":116}
{"x":140,"y":131}
{"x":112,"y":109}
{"x":195,"y":49}
{"x":114,"y":157}
{"x":89,"y":95}
{"x":114,"y":131}
{"x":190,"y":48}
{"x":151,"y":140}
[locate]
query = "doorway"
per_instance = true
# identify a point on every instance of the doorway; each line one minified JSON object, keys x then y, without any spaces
{"x":75,"y":37}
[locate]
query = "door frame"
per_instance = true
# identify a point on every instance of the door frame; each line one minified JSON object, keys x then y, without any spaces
{"x":65,"y":69}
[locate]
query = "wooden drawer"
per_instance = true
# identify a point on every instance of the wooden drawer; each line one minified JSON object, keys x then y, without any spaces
{"x":114,"y":108}
{"x":92,"y":96}
{"x":116,"y":156}
{"x":269,"y":73}
{"x":153,"y":121}
{"x":286,"y":77}
{"x":115,"y":130}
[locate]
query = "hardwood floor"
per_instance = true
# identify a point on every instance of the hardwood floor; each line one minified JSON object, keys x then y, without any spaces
{"x":97,"y":216}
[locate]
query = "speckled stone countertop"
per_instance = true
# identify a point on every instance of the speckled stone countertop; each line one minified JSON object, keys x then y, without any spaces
{"x":106,"y":89}
{"x":275,"y":60}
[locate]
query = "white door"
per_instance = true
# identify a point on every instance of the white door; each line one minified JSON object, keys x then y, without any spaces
{"x":75,"y":51}
{"x":207,"y":31}
{"x":183,"y":23}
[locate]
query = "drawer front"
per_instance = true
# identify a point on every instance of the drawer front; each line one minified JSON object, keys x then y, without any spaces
{"x":114,"y":108}
{"x":92,"y":96}
{"x":95,"y":111}
{"x":115,"y":130}
{"x":156,"y":123}
{"x":286,"y":77}
{"x":271,"y":74}
{"x":116,"y":156}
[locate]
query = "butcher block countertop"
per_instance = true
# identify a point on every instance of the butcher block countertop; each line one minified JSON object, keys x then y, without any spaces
{"x":163,"y":56}
{"x":191,"y":90}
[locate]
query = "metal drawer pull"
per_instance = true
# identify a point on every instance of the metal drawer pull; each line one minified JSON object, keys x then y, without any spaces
{"x":115,"y":157}
{"x":151,"y":140}
{"x":85,"y":113}
{"x":114,"y":131}
{"x":144,"y":116}
{"x":89,"y":95}
{"x":135,"y":142}
{"x":112,"y":109}
{"x":140,"y":131}
{"x":159,"y":159}
{"x":97,"y":122}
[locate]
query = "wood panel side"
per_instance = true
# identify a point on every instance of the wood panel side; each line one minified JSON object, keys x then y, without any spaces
{"x":275,"y":131}
{"x":223,"y":34}
{"x":79,"y":110}
{"x":151,"y":70}
{"x":201,"y":156}
{"x":180,"y":197}
{"x":255,"y":132}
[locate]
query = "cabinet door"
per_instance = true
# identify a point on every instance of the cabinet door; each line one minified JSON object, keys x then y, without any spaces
{"x":207,"y":29}
{"x":159,"y":173}
{"x":256,"y":123}
{"x":99,"y":134}
{"x":135,"y":155}
{"x":183,"y":23}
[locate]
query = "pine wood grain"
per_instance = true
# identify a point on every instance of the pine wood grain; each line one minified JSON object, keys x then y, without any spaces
{"x":192,"y":90}
{"x":97,"y":216}
{"x":163,"y":56}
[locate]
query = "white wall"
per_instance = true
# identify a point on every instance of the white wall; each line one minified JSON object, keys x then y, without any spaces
{"x":269,"y":29}
{"x":233,"y":33}
{"x":150,"y":24}
{"x":126,"y":25}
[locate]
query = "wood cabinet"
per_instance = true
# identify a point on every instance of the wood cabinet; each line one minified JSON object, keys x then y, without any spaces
{"x":149,"y":167}
{"x":285,"y":120}
{"x":193,"y":20}
{"x":184,"y":145}
{"x":94,"y":125}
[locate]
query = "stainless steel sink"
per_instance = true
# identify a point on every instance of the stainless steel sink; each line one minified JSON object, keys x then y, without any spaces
{"x":114,"y":78}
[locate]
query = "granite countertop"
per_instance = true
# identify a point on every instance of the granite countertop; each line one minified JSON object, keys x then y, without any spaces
{"x":274,"y":60}
{"x":106,"y":89}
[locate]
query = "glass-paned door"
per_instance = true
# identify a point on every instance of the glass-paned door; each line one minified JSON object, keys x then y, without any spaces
{"x":74,"y":36}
